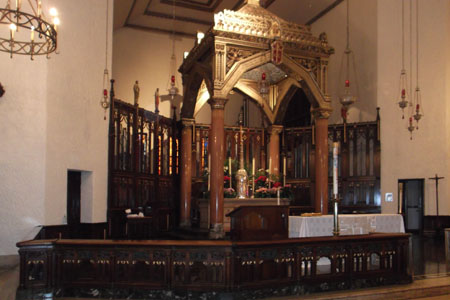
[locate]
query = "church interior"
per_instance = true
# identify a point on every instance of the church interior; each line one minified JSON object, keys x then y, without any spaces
{"x":225,"y":149}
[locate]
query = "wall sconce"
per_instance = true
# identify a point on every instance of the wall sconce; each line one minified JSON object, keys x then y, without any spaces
{"x":2,"y":90}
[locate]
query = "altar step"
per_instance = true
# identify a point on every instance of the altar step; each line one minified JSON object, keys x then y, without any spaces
{"x":433,"y":288}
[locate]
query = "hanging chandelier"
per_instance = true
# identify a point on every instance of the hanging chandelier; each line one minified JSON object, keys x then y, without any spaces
{"x":349,"y":92}
{"x":27,"y":30}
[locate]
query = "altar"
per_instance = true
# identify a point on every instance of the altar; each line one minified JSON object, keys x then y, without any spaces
{"x":229,"y":204}
{"x":354,"y":224}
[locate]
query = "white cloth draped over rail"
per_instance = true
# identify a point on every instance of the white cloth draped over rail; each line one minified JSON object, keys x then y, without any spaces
{"x":348,"y":225}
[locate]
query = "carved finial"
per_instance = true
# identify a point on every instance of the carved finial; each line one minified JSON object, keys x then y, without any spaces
{"x":253,"y":2}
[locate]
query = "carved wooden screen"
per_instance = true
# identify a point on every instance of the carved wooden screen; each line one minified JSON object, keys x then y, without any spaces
{"x":358,"y":165}
{"x":143,"y":166}
{"x":253,"y":144}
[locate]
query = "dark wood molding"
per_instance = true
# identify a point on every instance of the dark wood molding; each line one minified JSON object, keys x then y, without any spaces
{"x":159,"y":30}
{"x":324,"y":12}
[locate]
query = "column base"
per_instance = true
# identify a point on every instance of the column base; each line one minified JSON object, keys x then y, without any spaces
{"x":185,"y":224}
{"x":216,"y":232}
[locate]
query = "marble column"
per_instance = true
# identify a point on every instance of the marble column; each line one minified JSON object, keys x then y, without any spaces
{"x":217,"y":151}
{"x":321,"y":160}
{"x":186,"y":172}
{"x":274,"y":148}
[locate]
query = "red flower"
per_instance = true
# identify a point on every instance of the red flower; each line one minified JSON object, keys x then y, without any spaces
{"x":277,"y":184}
{"x":226,"y":178}
{"x":261,"y":178}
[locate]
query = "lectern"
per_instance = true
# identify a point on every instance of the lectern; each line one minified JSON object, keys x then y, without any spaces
{"x":259,"y":222}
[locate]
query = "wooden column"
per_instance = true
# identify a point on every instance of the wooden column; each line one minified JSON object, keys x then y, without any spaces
{"x":274,"y":148}
{"x":216,"y":150}
{"x":321,"y":160}
{"x":186,"y":172}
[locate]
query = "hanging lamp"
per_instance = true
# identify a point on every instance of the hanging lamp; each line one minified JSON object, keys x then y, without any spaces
{"x":417,"y":96}
{"x":403,"y":84}
{"x":104,"y":101}
{"x":348,"y":93}
{"x":172,"y":86}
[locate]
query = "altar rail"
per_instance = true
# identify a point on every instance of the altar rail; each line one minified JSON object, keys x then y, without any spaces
{"x":143,"y":166}
{"x":289,"y":265}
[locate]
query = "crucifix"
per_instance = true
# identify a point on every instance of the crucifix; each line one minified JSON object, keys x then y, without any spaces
{"x":436,"y":178}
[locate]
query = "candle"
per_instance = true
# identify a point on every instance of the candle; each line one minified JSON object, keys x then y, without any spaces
{"x":270,"y":165}
{"x":231,"y":172}
{"x":278,"y":197}
{"x":39,"y":10}
{"x":284,"y":171}
{"x":335,"y":169}
{"x":13,"y":28}
{"x":253,"y":166}
{"x":32,"y":33}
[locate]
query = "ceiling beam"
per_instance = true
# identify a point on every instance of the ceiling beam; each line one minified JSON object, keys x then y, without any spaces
{"x":324,"y":12}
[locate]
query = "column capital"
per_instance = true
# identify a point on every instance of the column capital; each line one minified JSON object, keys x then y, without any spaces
{"x":275,"y":129}
{"x":187,"y":122}
{"x":217,"y":103}
{"x":321,"y":112}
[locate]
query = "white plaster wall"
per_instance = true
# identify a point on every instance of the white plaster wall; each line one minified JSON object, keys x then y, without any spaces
{"x":426,"y":154}
{"x":77,"y":135}
{"x":22,"y":154}
{"x":145,"y":56}
{"x":51,"y":121}
{"x":363,"y":41}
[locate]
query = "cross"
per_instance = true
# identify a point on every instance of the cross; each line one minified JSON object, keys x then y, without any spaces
{"x":436,"y":178}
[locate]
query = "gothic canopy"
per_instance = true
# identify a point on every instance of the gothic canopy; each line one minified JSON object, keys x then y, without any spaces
{"x":244,"y":44}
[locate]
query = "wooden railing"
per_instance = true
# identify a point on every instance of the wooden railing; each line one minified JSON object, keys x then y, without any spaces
{"x":143,"y":166}
{"x":286,"y":266}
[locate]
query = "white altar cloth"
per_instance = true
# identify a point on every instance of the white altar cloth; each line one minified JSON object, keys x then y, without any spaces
{"x":348,"y":224}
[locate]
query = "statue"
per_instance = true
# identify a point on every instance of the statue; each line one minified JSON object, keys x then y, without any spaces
{"x":136,"y":92}
{"x":157,"y":101}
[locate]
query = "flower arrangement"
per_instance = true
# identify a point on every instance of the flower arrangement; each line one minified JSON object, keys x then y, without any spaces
{"x":267,"y":186}
{"x":229,"y":193}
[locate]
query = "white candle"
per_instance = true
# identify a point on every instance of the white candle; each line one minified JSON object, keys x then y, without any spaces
{"x":270,"y":165}
{"x":335,"y":169}
{"x":32,"y":33}
{"x":253,"y":166}
{"x":231,"y":173}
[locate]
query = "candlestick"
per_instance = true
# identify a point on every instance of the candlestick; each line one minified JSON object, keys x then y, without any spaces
{"x":284,"y":171}
{"x":278,"y":197}
{"x":270,"y":169}
{"x":209,"y":172}
{"x":335,"y":169}
{"x":253,"y":181}
{"x":231,"y":172}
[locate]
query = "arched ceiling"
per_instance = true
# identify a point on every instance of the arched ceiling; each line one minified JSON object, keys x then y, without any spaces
{"x":198,"y":15}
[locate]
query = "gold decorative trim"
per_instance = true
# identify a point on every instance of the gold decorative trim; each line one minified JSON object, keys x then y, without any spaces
{"x":217,"y":103}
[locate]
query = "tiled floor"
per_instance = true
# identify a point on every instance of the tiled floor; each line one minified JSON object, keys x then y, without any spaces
{"x":432,"y":278}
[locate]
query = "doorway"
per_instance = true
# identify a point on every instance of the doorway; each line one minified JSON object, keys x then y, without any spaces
{"x":73,"y":201}
{"x":410,"y":195}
